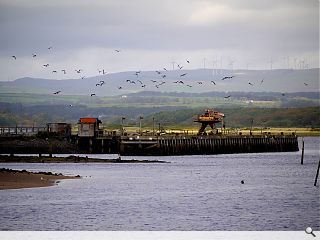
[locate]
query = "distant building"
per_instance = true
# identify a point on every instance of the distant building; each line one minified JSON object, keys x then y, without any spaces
{"x":61,"y":129}
{"x":88,"y":127}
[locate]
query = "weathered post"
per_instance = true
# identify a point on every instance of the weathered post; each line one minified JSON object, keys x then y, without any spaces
{"x":302,"y":154}
{"x":317,"y":175}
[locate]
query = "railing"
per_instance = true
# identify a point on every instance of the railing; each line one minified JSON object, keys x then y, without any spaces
{"x":21,"y":130}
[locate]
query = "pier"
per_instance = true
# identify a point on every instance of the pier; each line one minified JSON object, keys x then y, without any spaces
{"x":188,"y":145}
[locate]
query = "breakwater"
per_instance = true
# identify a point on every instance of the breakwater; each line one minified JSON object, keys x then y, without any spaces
{"x":188,"y":145}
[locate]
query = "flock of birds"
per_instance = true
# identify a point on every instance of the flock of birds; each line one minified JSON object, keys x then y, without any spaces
{"x":162,"y":75}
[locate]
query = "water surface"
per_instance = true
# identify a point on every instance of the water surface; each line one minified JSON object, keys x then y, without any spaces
{"x":190,"y":193}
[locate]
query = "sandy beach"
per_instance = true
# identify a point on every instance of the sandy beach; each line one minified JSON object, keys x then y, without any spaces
{"x":14,"y":179}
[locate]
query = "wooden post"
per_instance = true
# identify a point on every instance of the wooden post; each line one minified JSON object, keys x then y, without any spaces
{"x":317,"y":175}
{"x":302,"y":154}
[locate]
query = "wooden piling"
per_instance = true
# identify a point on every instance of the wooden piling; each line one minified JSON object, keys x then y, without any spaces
{"x":302,"y":154}
{"x":317,"y":175}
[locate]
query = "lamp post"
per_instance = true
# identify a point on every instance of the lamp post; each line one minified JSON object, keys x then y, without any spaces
{"x":140,"y":124}
{"x":122,"y":125}
{"x":153,"y":126}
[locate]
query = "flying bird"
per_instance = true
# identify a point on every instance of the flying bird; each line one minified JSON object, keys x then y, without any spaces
{"x":102,"y":82}
{"x":92,"y":94}
{"x":15,"y":58}
{"x":64,"y":71}
{"x":57,"y":92}
{"x":250,"y":83}
{"x":200,"y":82}
{"x":54,"y":71}
{"x":78,"y":71}
{"x":189,"y":85}
{"x":163,"y":76}
{"x":158,"y":72}
{"x":82,"y":77}
{"x":98,"y":84}
{"x":154,"y":81}
{"x":262,"y":81}
{"x":46,"y":65}
{"x":180,"y":67}
{"x":103,"y":72}
{"x":140,"y":82}
{"x":183,"y":74}
{"x":226,"y":77}
{"x":213,"y":82}
{"x":119,"y":87}
{"x":306,"y":84}
{"x":188,"y":61}
{"x":227,"y":96}
{"x":49,"y":48}
{"x":165,"y":69}
{"x":143,"y":85}
{"x":117,"y":50}
{"x":34,"y":55}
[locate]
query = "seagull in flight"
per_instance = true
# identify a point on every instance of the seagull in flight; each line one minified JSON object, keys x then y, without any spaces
{"x":200,"y":82}
{"x":227,"y":96}
{"x":49,"y":48}
{"x":213,"y":82}
{"x":64,"y":71}
{"x":306,"y":84}
{"x":46,"y":65}
{"x":57,"y":92}
{"x":54,"y":71}
{"x":78,"y":71}
{"x":250,"y":83}
{"x":183,"y":74}
{"x":158,"y":72}
{"x":189,"y":85}
{"x":15,"y":58}
{"x":117,"y":50}
{"x":262,"y":81}
{"x":163,"y":76}
{"x":154,"y":81}
{"x":180,"y":67}
{"x":92,"y":94}
{"x":187,"y":61}
{"x":226,"y":77}
{"x":165,"y":69}
{"x":34,"y":55}
{"x":98,"y":84}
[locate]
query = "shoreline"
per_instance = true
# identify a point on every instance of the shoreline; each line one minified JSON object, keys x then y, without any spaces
{"x":16,"y":179}
{"x":69,"y":159}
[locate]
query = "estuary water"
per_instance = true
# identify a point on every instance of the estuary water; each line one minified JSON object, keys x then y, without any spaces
{"x":189,"y":193}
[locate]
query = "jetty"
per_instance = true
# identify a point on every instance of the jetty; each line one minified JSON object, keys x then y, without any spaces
{"x":91,"y":139}
{"x":188,"y":145}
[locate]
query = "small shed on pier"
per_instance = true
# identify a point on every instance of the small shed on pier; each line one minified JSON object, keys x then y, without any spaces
{"x":61,"y":129}
{"x":88,"y":127}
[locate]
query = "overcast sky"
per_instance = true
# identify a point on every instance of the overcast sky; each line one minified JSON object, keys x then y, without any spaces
{"x":238,"y":34}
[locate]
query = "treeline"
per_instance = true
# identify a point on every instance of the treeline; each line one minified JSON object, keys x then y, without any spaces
{"x":12,"y":114}
{"x":242,"y":117}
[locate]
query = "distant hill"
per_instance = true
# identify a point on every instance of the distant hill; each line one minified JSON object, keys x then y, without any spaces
{"x":199,"y":81}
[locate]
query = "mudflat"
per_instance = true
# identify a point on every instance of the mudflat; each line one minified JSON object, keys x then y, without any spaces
{"x":15,"y":179}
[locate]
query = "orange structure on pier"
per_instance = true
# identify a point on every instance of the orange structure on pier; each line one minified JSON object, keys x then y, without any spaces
{"x":210,"y":117}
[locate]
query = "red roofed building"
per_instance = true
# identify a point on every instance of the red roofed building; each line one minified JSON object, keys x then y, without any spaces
{"x":88,"y":127}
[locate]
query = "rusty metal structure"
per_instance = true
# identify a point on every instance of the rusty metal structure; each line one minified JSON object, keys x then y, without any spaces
{"x":210,"y":117}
